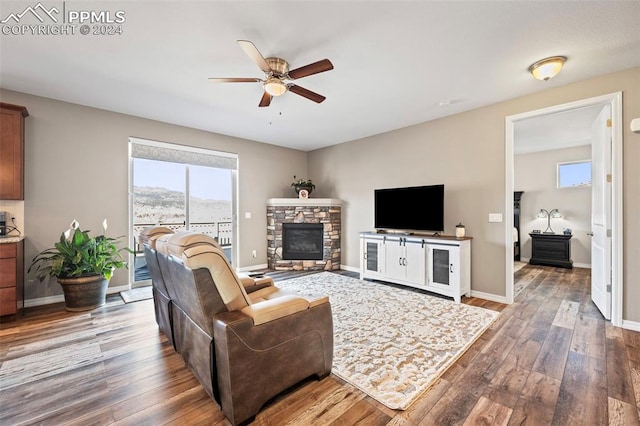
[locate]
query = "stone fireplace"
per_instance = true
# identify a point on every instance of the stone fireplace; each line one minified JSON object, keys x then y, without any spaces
{"x":303,"y":234}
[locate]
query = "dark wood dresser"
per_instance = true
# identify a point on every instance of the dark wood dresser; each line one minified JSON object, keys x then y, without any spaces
{"x":551,"y":250}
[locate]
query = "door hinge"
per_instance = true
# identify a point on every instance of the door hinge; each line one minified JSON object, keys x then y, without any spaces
{"x":608,"y":122}
{"x":609,"y":178}
{"x":609,"y":233}
{"x":608,"y":288}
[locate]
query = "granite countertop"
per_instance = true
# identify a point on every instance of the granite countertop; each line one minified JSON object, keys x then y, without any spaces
{"x":4,"y":240}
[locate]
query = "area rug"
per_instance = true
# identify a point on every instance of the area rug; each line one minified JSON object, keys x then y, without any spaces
{"x":137,"y":294}
{"x":389,"y":342}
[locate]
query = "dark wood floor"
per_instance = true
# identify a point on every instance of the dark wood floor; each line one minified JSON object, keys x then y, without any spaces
{"x":550,"y":358}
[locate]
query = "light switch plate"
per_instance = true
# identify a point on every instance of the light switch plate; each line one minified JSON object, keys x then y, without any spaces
{"x":247,"y":215}
{"x":495,"y":217}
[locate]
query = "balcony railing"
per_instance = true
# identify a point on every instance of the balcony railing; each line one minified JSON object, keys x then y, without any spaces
{"x":221,"y":231}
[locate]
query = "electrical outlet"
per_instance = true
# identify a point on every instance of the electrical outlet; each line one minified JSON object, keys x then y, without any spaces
{"x":254,"y":254}
{"x":495,"y":217}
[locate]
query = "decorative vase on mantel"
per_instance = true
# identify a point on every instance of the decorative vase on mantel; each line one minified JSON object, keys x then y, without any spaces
{"x":299,"y":187}
{"x":300,"y":184}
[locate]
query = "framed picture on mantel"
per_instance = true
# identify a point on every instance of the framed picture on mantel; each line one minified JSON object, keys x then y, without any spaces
{"x":303,"y":194}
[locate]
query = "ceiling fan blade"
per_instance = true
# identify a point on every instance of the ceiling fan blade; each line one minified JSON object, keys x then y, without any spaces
{"x":315,"y":68}
{"x":234,"y":80}
{"x":306,"y":93}
{"x":252,"y":51}
{"x":266,"y":100}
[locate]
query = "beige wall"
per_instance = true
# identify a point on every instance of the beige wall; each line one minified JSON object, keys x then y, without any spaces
{"x":535,"y":174}
{"x":466,"y":153}
{"x":76,"y":166}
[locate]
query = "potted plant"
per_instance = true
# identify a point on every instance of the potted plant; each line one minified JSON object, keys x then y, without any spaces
{"x":301,"y":184}
{"x":82,"y":265}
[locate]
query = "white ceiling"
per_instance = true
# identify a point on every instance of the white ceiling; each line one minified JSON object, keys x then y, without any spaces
{"x":394,"y":61}
{"x":555,"y":131}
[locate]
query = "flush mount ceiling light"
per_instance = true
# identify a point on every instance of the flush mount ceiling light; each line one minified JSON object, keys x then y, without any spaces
{"x":274,"y":86}
{"x":547,"y":68}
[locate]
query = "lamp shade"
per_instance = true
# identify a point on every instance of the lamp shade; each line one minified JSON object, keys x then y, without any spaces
{"x":547,"y":68}
{"x":274,"y":86}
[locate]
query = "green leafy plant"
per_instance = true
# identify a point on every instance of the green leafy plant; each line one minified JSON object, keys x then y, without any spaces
{"x":78,"y":254}
{"x":302,"y":183}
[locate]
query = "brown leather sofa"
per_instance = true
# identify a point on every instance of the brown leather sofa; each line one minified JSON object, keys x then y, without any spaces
{"x":161,"y":299}
{"x":244,"y":340}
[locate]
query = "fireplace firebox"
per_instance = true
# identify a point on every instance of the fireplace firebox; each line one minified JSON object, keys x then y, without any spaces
{"x":302,"y":241}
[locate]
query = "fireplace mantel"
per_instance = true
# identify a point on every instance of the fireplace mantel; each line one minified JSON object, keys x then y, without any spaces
{"x":304,"y":202}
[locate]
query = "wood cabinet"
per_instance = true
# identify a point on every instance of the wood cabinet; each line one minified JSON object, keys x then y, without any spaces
{"x":438,"y":264}
{"x":12,"y":151}
{"x":551,"y":250}
{"x":11,"y":278}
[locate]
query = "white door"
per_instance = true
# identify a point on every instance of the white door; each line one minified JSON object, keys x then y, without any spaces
{"x":601,"y":212}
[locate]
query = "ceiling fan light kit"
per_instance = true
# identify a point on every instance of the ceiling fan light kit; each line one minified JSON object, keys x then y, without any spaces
{"x":276,"y":75}
{"x":547,"y":68}
{"x":274,"y":86}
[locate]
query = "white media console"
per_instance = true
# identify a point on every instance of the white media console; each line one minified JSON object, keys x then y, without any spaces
{"x":438,"y":264}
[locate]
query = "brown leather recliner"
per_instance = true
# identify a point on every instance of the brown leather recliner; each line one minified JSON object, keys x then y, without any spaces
{"x":161,"y":299}
{"x":244,"y":347}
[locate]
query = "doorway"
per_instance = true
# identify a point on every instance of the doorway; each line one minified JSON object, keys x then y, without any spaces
{"x":614,"y":101}
{"x":181,"y":188}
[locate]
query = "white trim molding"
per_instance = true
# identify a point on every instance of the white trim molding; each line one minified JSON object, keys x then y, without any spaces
{"x":349,"y":268}
{"x":40,"y":301}
{"x":489,"y":296}
{"x":615,"y":100}
{"x":631,"y":325}
{"x":304,"y":202}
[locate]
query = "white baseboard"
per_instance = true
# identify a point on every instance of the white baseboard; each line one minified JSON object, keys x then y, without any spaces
{"x":631,"y":325}
{"x":252,"y":267}
{"x":488,"y":296}
{"x":28,"y":303}
{"x":349,"y":268}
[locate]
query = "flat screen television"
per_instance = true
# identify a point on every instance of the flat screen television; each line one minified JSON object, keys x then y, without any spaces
{"x":415,"y":208}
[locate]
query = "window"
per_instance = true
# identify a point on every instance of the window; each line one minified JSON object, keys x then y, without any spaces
{"x":181,"y":188}
{"x":574,"y":174}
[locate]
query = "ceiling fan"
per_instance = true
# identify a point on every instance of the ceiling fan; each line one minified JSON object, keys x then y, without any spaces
{"x":277,"y":74}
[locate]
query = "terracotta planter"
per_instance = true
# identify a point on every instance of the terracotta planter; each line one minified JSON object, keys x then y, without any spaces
{"x":84,"y":293}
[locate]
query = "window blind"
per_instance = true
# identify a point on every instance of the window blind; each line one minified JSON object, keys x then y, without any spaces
{"x":174,"y":153}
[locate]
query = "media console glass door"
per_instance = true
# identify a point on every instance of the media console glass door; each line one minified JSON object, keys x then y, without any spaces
{"x":371,"y":257}
{"x":442,"y":265}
